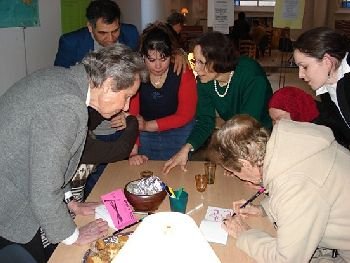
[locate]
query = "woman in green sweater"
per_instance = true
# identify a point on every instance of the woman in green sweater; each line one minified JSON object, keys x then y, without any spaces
{"x":227,"y":84}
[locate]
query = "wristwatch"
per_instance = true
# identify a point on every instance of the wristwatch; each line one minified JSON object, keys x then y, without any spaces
{"x":68,"y":197}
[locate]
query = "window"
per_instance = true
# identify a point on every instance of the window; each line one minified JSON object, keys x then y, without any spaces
{"x":256,"y":2}
{"x":345,"y":4}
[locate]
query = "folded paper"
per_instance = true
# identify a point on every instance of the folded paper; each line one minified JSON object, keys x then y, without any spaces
{"x":211,"y":224}
{"x":119,"y":208}
{"x":101,"y":212}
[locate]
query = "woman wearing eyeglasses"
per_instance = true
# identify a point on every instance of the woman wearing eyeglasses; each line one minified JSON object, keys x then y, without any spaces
{"x":227,"y":85}
{"x":165,"y":106}
{"x":306,"y":174}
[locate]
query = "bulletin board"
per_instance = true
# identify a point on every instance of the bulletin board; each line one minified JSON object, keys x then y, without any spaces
{"x":73,"y":14}
{"x":19,"y":13}
{"x":289,"y":13}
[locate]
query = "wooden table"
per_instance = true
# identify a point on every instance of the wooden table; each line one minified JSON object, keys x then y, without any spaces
{"x":221,"y":194}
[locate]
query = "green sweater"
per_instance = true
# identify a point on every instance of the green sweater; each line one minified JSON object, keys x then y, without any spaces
{"x":249,"y":93}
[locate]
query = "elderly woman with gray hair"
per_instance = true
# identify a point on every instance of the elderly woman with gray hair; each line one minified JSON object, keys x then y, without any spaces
{"x":43,"y":127}
{"x":305,"y":172}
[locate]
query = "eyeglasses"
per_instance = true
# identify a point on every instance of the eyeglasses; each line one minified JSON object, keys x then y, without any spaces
{"x":198,"y":63}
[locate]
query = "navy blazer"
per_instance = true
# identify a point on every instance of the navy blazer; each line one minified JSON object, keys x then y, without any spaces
{"x":75,"y":45}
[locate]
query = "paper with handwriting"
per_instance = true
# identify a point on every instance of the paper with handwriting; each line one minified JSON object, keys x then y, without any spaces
{"x":119,"y":208}
{"x":211,"y":224}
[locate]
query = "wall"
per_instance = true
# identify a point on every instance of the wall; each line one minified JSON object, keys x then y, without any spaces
{"x":131,"y":12}
{"x":317,"y":13}
{"x":152,"y":10}
{"x":23,"y":51}
{"x":142,"y":12}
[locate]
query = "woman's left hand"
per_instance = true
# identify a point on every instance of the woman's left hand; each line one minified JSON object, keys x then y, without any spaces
{"x":235,"y":226}
{"x":83,"y":208}
{"x":119,"y":121}
{"x":180,"y":62}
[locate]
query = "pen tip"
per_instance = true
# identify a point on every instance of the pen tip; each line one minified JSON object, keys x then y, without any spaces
{"x":261,"y":190}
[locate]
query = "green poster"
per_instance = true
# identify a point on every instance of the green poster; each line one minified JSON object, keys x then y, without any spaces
{"x":19,"y":13}
{"x":73,"y":14}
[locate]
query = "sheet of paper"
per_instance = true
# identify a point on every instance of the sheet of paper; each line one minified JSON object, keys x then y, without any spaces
{"x":119,"y":208}
{"x":101,"y":212}
{"x":211,"y":224}
{"x":217,"y":214}
{"x":213,"y":232}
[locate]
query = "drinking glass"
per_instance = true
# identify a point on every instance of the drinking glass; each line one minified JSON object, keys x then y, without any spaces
{"x":210,"y":169}
{"x":201,"y":182}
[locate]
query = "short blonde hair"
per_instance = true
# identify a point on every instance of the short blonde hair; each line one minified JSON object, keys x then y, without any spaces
{"x":241,"y":137}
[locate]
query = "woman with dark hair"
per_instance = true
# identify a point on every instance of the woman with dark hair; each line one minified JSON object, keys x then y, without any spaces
{"x":165,"y":105}
{"x":175,"y":22}
{"x":306,"y":175}
{"x":227,"y":85}
{"x":322,"y":57}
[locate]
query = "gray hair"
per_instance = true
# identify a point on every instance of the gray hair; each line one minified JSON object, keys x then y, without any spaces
{"x":241,"y":137}
{"x":118,"y":62}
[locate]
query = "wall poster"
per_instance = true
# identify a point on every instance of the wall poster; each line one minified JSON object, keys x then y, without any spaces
{"x":19,"y":13}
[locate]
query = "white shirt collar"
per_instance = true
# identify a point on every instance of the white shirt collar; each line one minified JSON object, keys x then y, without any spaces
{"x":331,"y":89}
{"x":87,"y":102}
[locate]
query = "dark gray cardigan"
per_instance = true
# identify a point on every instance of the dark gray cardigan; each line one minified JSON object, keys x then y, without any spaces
{"x":43,"y":124}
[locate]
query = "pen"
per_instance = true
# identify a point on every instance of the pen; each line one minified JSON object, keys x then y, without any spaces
{"x":194,"y":209}
{"x":168,"y":189}
{"x":122,"y":229}
{"x":142,"y":213}
{"x":261,"y":190}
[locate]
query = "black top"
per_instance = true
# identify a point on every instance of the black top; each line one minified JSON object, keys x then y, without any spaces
{"x":330,"y":115}
{"x":158,"y":103}
{"x":96,"y":151}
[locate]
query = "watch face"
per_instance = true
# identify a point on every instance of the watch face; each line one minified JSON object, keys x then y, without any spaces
{"x":69,"y":199}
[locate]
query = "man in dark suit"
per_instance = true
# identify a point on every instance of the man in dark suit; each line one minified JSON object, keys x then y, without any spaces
{"x":43,"y":126}
{"x":103,"y":29}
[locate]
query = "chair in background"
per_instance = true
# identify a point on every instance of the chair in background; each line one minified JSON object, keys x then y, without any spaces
{"x":247,"y":47}
{"x":287,"y":66}
{"x":269,"y":41}
{"x":343,"y":26}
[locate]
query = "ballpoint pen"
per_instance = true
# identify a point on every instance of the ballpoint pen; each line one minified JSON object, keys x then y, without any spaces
{"x":194,"y":209}
{"x":135,"y":223}
{"x":168,"y":189}
{"x":261,"y":190}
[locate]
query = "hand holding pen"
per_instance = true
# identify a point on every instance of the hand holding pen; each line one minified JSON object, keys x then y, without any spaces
{"x":243,"y":204}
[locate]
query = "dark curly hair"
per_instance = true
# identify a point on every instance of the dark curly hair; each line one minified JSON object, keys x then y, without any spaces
{"x":156,"y":37}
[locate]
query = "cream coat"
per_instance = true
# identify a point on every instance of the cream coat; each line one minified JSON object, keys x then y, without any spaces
{"x":307,"y":175}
